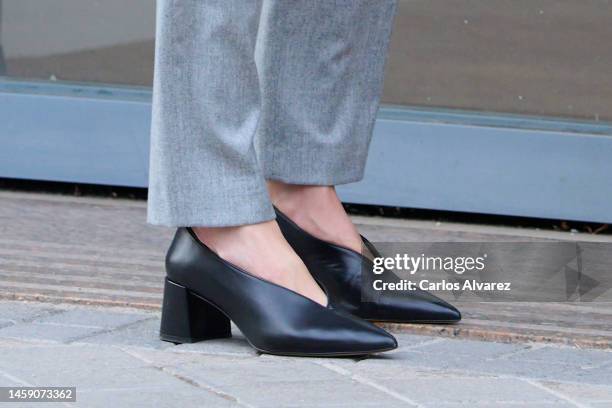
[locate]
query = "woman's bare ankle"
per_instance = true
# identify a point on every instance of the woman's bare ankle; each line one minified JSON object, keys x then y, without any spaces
{"x":318,"y":210}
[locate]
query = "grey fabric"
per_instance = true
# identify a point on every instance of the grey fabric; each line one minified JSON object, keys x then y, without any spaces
{"x":246,"y":90}
{"x":321,"y":66}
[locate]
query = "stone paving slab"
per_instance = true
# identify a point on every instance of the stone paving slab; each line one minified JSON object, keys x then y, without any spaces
{"x":15,"y":312}
{"x":97,"y":251}
{"x":126,"y":365}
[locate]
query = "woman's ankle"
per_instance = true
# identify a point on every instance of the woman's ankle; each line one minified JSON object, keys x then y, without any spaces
{"x":318,"y":210}
{"x":289,"y":198}
{"x":220,"y":238}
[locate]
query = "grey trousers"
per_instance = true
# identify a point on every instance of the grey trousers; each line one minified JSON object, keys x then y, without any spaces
{"x":249,"y":90}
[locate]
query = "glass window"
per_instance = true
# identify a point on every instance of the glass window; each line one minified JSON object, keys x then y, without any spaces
{"x":539,"y":57}
{"x":108,"y":41}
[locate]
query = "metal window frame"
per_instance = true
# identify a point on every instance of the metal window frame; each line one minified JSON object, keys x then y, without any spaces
{"x":420,"y":158}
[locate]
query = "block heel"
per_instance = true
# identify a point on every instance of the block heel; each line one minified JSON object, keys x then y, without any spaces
{"x":188,"y":318}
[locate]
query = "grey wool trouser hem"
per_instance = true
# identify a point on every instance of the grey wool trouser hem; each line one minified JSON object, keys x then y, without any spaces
{"x":249,"y":90}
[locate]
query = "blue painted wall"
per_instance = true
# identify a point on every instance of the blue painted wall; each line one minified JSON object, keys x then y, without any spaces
{"x":434,"y":159}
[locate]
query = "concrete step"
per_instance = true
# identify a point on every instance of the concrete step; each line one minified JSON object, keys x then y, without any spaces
{"x":65,"y":249}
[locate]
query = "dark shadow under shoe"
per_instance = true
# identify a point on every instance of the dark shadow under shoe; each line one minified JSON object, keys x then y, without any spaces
{"x":339,"y":271}
{"x":203,"y":293}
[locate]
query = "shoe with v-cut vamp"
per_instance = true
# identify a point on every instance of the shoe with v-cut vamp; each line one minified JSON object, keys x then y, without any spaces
{"x":339,"y":271}
{"x":203,"y":293}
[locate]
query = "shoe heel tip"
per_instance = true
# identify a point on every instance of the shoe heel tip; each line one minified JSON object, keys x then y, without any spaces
{"x":188,"y":340}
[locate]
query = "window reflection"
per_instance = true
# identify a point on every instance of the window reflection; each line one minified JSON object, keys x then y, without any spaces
{"x":109,"y":41}
{"x":541,"y":57}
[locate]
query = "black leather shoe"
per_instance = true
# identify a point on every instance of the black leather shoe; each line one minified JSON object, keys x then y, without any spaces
{"x":203,"y":293}
{"x":338,"y":271}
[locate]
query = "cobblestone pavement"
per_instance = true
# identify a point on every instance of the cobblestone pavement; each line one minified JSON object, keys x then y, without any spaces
{"x":114,"y":358}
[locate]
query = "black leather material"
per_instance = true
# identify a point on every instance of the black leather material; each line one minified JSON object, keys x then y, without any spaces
{"x":338,"y":271}
{"x":274,"y":319}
